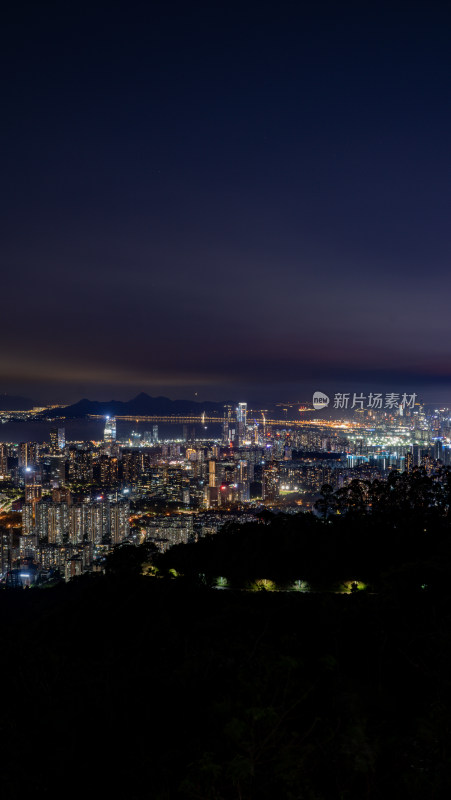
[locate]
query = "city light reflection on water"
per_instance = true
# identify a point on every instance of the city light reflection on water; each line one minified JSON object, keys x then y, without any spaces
{"x":85,"y":430}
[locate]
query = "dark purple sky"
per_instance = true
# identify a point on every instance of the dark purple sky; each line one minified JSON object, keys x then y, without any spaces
{"x":243,"y":200}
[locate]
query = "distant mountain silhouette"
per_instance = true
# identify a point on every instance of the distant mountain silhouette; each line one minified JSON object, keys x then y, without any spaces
{"x":140,"y":405}
{"x":10,"y":402}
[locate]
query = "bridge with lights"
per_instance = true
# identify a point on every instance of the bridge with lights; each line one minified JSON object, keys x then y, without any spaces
{"x":253,"y":417}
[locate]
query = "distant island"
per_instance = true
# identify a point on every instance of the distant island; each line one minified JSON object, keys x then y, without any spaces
{"x":141,"y":405}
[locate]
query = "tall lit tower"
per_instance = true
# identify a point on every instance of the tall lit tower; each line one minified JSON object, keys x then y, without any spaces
{"x":109,"y":433}
{"x":57,"y":440}
{"x":3,"y":461}
{"x":119,"y":521}
{"x":61,"y":438}
{"x":228,"y":427}
{"x":241,"y":418}
{"x":54,"y":440}
{"x":241,"y":413}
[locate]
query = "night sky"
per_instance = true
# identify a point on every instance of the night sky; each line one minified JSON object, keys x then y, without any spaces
{"x":247,"y":201}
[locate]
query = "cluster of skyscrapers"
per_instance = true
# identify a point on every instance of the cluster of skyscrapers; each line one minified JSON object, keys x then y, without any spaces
{"x":67,"y":504}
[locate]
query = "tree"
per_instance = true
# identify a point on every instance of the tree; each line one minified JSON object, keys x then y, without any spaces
{"x":128,"y":559}
{"x":326,"y":503}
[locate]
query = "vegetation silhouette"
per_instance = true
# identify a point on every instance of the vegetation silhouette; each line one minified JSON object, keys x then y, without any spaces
{"x":377,"y":533}
{"x":172,"y":690}
{"x":164,"y":688}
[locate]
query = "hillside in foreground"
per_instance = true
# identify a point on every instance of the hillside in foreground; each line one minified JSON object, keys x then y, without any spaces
{"x":153,"y":688}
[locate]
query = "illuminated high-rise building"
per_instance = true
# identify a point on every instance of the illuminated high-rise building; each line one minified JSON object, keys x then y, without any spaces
{"x":119,"y":521}
{"x":241,"y":413}
{"x":72,"y":568}
{"x":212,"y":473}
{"x":97,"y":522}
{"x":76,"y":523}
{"x":33,"y":492}
{"x":105,"y":470}
{"x":132,"y":466}
{"x":228,"y":426}
{"x":6,"y":541}
{"x":241,"y":421}
{"x":416,"y":455}
{"x":58,"y":523}
{"x":4,"y":461}
{"x":54,"y":470}
{"x":42,"y":518}
{"x":54,"y":441}
{"x":23,"y":454}
{"x":438,"y":450}
{"x":109,"y":433}
{"x":27,"y":519}
{"x":61,"y":439}
{"x":57,"y":440}
{"x":270,"y":482}
{"x":28,"y":454}
{"x":81,"y":466}
{"x":243,"y":480}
